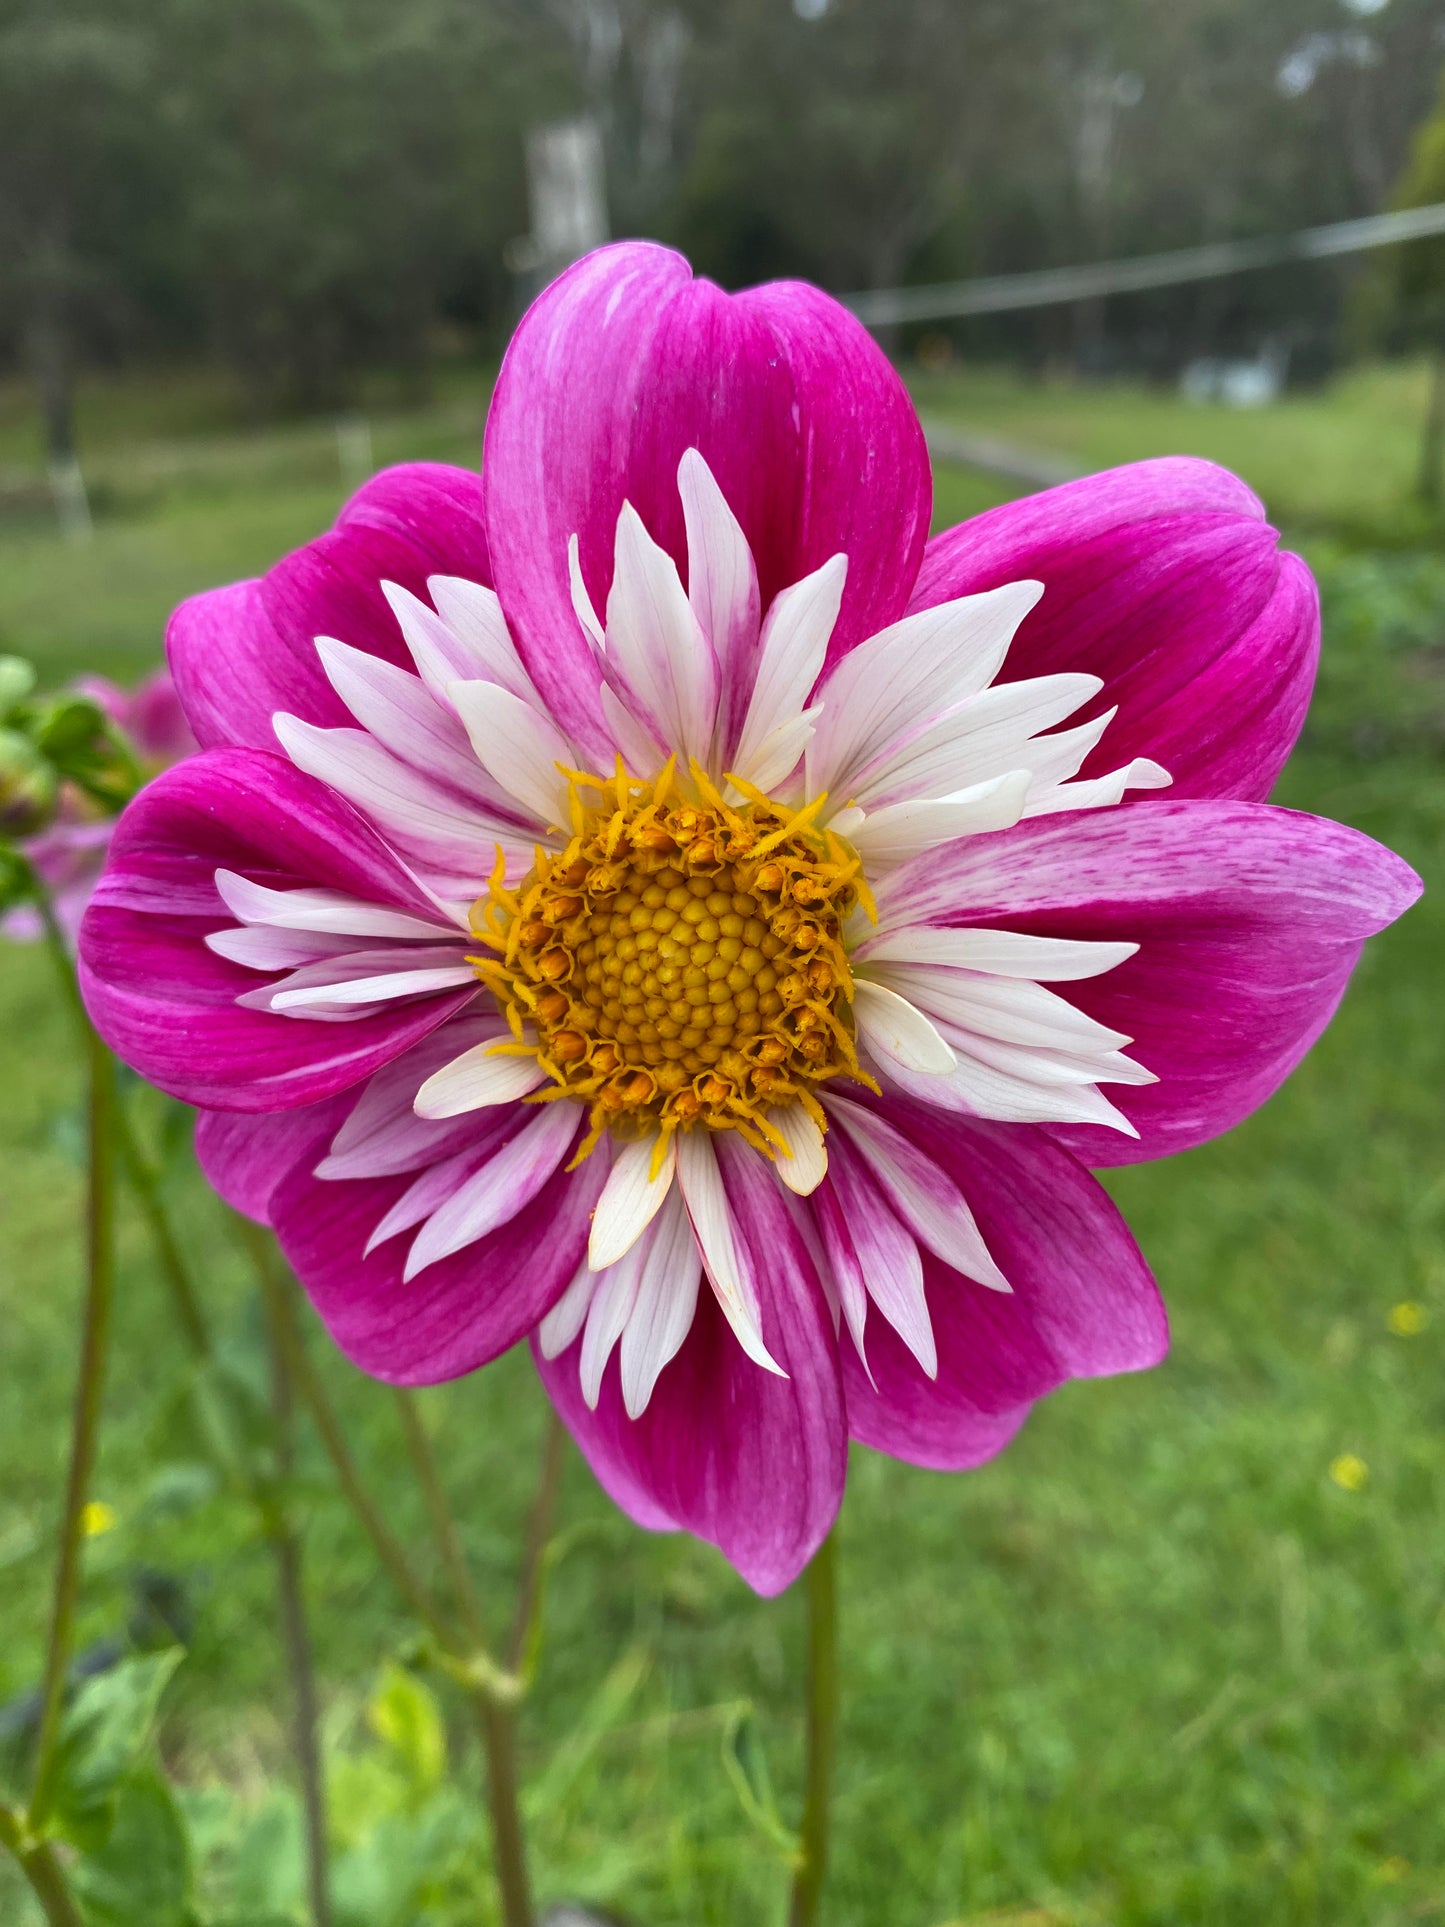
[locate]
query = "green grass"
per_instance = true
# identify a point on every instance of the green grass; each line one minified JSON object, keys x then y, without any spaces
{"x":1152,"y":1667}
{"x":1340,"y":458}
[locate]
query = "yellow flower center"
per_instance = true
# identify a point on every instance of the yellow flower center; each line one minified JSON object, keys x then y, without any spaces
{"x":681,"y":961}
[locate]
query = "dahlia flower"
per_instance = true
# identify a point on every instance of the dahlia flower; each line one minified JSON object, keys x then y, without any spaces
{"x":69,"y":854}
{"x":652,"y":900}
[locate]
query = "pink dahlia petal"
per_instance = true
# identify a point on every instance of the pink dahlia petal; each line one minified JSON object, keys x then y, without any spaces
{"x":460,"y":1312}
{"x":240,"y":654}
{"x":1249,"y":921}
{"x":750,"y":1461}
{"x":233,"y":671}
{"x":1083,"y":1303}
{"x":1164,"y":579}
{"x":624,"y":364}
{"x":166,"y":1003}
{"x":246,"y":1157}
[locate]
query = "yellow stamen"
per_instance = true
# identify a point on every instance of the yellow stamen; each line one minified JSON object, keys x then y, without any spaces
{"x":681,"y":961}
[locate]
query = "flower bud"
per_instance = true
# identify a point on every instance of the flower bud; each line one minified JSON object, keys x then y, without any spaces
{"x":28,"y":786}
{"x":17,"y":679}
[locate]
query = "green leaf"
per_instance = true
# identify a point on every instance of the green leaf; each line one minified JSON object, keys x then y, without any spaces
{"x":405,"y":1714}
{"x":103,"y":1737}
{"x":17,"y":879}
{"x":267,"y":1874}
{"x":142,"y":1874}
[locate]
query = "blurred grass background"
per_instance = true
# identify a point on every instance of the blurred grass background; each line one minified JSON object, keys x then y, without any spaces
{"x":1158,"y":1664}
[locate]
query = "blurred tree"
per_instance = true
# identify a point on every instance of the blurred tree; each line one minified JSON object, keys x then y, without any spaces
{"x":1409,"y":289}
{"x":83,"y":174}
{"x":308,"y":187}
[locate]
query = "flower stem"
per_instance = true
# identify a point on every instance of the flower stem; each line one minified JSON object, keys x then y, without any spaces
{"x":534,"y":1548}
{"x":323,"y":1416}
{"x":497,"y":1725}
{"x":143,"y":1181}
{"x":491,"y":1691}
{"x":424,"y":1465}
{"x":286,"y":1547}
{"x":100,"y":1282}
{"x":36,"y":1860}
{"x":496,"y":1715}
{"x":138,"y":1170}
{"x":820,"y":1587}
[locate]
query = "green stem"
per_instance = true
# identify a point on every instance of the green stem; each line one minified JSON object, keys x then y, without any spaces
{"x":301,"y":1672}
{"x":100,"y":1281}
{"x":534,"y":1548}
{"x":820,"y":1587}
{"x":496,"y":1720}
{"x":423,"y":1463}
{"x":497,"y":1725}
{"x":492,"y":1691}
{"x":388,"y":1550}
{"x":36,"y":1860}
{"x":139,"y":1172}
{"x":141,"y":1175}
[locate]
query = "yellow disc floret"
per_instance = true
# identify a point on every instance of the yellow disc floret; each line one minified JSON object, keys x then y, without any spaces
{"x":681,"y":961}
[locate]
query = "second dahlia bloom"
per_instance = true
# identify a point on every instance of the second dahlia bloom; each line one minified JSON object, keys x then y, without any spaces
{"x":650,"y":900}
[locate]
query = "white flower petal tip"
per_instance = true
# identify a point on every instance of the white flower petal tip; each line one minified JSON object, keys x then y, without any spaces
{"x":567,"y":1317}
{"x":893,"y":1028}
{"x":804,"y":1165}
{"x":701,"y":1184}
{"x":480,"y":1077}
{"x":518,"y":747}
{"x":582,"y":602}
{"x":920,"y":1193}
{"x":1000,"y":953}
{"x":630,"y":1200}
{"x":656,"y":655}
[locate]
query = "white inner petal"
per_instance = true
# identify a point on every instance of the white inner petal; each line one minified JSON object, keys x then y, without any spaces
{"x":804,"y":1170}
{"x":707,"y":1206}
{"x":665,"y":1304}
{"x":519,"y":746}
{"x":923,"y":1195}
{"x":896,"y":1030}
{"x":508,"y":1180}
{"x":630,"y":1199}
{"x":794,"y":643}
{"x":480,"y":1077}
{"x":665,"y":665}
{"x":883,"y":691}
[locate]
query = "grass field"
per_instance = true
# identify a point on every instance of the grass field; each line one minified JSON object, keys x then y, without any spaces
{"x":1155,"y":1666}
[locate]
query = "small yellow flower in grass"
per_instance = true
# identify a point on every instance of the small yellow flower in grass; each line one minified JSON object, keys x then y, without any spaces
{"x":97,"y":1517}
{"x":1349,"y":1472}
{"x":1408,"y":1319}
{"x":1393,"y":1869}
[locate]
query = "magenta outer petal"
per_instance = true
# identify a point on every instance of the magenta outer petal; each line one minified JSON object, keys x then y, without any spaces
{"x":1083,"y":1305}
{"x":623,"y":364}
{"x":167,"y":1004}
{"x":749,"y":1461}
{"x":455,"y":1315}
{"x":1249,"y":921}
{"x":241,"y":653}
{"x":1164,"y":579}
{"x":246,"y":1156}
